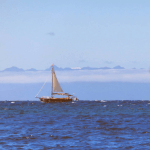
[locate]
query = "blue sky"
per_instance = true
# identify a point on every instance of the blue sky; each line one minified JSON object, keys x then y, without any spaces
{"x":71,"y":33}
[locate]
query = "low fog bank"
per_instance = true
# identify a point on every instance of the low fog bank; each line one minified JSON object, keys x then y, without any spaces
{"x":108,"y":75}
{"x":83,"y":90}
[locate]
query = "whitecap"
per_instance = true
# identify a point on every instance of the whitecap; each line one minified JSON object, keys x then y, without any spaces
{"x":103,"y":101}
{"x":12,"y":102}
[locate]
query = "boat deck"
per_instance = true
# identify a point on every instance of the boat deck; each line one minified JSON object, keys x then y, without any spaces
{"x":48,"y":100}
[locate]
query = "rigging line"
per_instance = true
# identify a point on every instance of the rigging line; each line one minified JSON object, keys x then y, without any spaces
{"x":42,"y":87}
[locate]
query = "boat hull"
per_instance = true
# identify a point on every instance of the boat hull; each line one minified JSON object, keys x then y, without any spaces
{"x":48,"y":100}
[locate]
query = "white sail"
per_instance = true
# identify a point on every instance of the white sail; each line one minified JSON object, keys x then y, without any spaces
{"x":57,"y":87}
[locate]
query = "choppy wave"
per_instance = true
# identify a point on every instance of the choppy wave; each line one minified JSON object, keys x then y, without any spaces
{"x":79,"y":125}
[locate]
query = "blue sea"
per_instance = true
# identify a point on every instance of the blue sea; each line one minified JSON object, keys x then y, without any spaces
{"x":75,"y":125}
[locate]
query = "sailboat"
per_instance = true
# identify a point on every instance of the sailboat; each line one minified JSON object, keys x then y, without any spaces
{"x":56,"y":90}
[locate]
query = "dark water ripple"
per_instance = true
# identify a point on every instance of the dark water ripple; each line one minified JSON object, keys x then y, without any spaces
{"x":77,"y":125}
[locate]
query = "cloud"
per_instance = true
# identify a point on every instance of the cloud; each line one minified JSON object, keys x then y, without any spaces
{"x":23,"y":77}
{"x":134,"y":62}
{"x":51,"y":33}
{"x":108,"y":62}
{"x":111,"y":75}
{"x":82,"y":61}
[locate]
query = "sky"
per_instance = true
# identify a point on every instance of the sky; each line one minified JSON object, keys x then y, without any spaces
{"x":74,"y":33}
{"x":110,"y":84}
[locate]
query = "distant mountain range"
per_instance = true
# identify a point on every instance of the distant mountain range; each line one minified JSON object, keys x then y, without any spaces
{"x":16,"y":69}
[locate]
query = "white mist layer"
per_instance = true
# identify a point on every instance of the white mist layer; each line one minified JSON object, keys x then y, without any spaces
{"x":111,"y":75}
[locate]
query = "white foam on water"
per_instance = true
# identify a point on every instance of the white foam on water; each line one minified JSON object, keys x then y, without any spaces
{"x":103,"y":101}
{"x":12,"y":102}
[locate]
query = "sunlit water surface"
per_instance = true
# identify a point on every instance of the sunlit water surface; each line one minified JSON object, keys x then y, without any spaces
{"x":75,"y":125}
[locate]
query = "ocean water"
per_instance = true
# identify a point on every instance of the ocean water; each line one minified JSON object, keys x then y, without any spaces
{"x":75,"y":125}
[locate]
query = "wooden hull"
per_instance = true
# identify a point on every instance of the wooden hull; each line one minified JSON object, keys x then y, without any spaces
{"x":48,"y":100}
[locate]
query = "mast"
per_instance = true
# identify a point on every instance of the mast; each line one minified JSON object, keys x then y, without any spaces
{"x":52,"y":83}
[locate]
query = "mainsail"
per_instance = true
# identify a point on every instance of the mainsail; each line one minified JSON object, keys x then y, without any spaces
{"x":56,"y":90}
{"x":57,"y":87}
